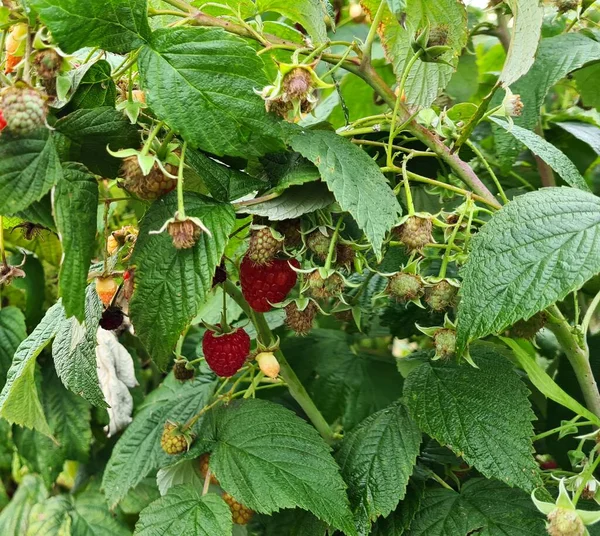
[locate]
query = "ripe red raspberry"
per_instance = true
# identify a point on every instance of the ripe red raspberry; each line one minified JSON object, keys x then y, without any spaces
{"x":24,"y":109}
{"x":441,"y":295}
{"x":174,"y":440}
{"x":147,"y":187}
{"x":241,"y":514}
{"x":264,"y":245}
{"x":300,"y":321}
{"x":415,"y":233}
{"x":226,"y":353}
{"x":2,"y":121}
{"x":112,"y":318}
{"x":264,"y":285}
{"x":181,"y":372}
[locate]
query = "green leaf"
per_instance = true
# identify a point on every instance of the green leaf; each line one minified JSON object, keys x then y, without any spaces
{"x":288,"y":169}
{"x":556,"y":57}
{"x":141,"y":496}
{"x":295,"y":522}
{"x":90,"y":131}
{"x":532,"y":253}
{"x":75,"y":207}
{"x":293,"y":202}
{"x":483,"y":507}
{"x":29,"y":167}
{"x":96,"y":88}
{"x":12,"y":333}
{"x":397,"y":7}
{"x":14,"y":519}
{"x":426,"y":79}
{"x":223,"y":183}
{"x":172,"y":284}
{"x":183,"y":472}
{"x":34,"y":285}
{"x":215,"y":73}
{"x":184,"y":510}
{"x":309,"y":13}
{"x":69,"y":421}
{"x":527,"y":29}
{"x":344,"y":385}
{"x":482,"y":414}
{"x":585,"y":132}
{"x":113,"y":25}
{"x":547,"y":152}
{"x":545,"y":384}
{"x":587,"y":84}
{"x":282,"y":461}
{"x":355,"y":180}
{"x":87,"y":514}
{"x":376,"y":460}
{"x":19,"y":400}
{"x":138,"y":451}
{"x":74,"y":351}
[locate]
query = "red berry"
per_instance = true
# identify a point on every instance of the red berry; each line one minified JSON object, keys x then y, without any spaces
{"x":2,"y":121}
{"x":268,"y":284}
{"x":226,"y":353}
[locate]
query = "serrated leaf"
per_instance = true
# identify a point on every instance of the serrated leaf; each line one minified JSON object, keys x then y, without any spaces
{"x":557,"y":160}
{"x":295,"y":522}
{"x":483,"y":415}
{"x":215,"y":74}
{"x":585,"y":132}
{"x":345,"y":386}
{"x":376,"y":460}
{"x":309,"y":13}
{"x":116,"y":376}
{"x":19,"y":400}
{"x":74,"y":351}
{"x":29,"y":167}
{"x":69,"y":420}
{"x":223,"y":183}
{"x":532,"y":253}
{"x":184,"y":510}
{"x":398,"y":522}
{"x":172,"y":284}
{"x":587,"y":85}
{"x":75,"y":207}
{"x":12,"y":333}
{"x":483,"y":507}
{"x":87,"y":514}
{"x":141,"y":496}
{"x":184,"y":472}
{"x":288,"y":169}
{"x":90,"y":131}
{"x":113,"y":25}
{"x":284,"y":461}
{"x":355,"y":181}
{"x":426,"y":79}
{"x":527,"y":29}
{"x":96,"y":88}
{"x":293,"y":202}
{"x":556,"y":57}
{"x":14,"y":518}
{"x":138,"y":451}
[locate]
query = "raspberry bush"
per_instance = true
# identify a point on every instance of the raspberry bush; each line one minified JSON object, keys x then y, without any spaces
{"x":310,"y":268}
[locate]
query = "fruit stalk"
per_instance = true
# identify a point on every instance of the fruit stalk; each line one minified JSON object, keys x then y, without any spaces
{"x":578,"y":356}
{"x":296,"y":388}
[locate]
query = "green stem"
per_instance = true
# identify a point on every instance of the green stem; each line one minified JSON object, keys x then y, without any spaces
{"x":146,"y":148}
{"x":577,"y":356}
{"x":409,"y":201}
{"x":560,"y":428}
{"x":295,"y":387}
{"x":128,"y":63}
{"x":368,"y":47}
{"x":447,"y":254}
{"x":589,"y":313}
{"x":488,"y":169}
{"x":180,"y":204}
{"x":332,"y":244}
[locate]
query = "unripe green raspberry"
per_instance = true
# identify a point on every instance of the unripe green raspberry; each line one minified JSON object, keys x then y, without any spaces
{"x":173,"y":440}
{"x":405,"y":287}
{"x":263,"y":246}
{"x":563,"y":522}
{"x":24,"y":109}
{"x":445,"y":343}
{"x":325,"y":288}
{"x":527,"y":329}
{"x":441,"y":295}
{"x":415,"y":233}
{"x":318,"y":243}
{"x":438,"y":35}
